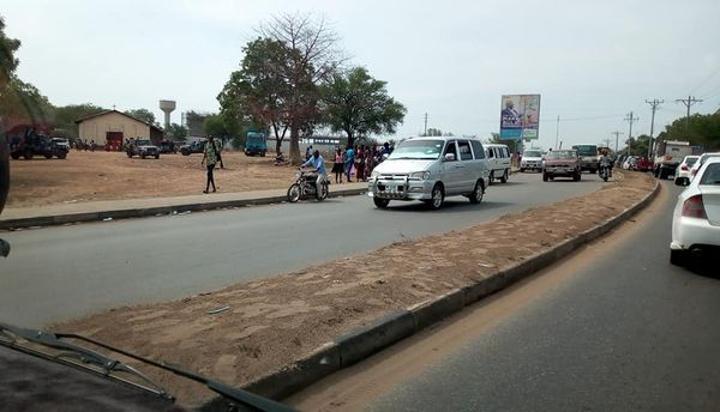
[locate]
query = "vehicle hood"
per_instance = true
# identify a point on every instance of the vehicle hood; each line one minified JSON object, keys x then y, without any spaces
{"x":532,"y":159}
{"x":711,"y":201}
{"x":147,"y":147}
{"x":403,"y":166}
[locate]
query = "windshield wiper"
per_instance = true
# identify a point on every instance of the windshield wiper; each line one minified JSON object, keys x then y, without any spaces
{"x":9,"y":334}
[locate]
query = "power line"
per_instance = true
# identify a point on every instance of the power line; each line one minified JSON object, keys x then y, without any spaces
{"x":630,"y":119}
{"x":702,"y":83}
{"x":654,"y":103}
{"x":688,"y":103}
{"x":617,"y":134}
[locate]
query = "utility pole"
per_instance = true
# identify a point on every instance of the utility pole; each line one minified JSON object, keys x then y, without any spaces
{"x":557,"y":131}
{"x":426,"y":117}
{"x":631,"y":119}
{"x":688,"y":102}
{"x":617,"y":134}
{"x":654,"y":103}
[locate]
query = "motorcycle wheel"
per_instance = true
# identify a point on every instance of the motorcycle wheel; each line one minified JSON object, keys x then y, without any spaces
{"x":294,"y":192}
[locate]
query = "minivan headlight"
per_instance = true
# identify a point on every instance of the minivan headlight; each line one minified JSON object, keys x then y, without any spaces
{"x":375,"y":174}
{"x":424,"y":175}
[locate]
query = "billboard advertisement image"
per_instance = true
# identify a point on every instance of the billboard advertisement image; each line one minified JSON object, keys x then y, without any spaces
{"x":520,"y":116}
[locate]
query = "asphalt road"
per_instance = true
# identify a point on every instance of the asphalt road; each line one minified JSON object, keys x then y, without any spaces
{"x":616,"y":327}
{"x":57,"y":273}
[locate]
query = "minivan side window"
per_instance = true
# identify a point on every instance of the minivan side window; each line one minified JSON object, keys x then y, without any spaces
{"x":490,"y":153}
{"x":465,"y":152}
{"x":451,"y":148}
{"x":478,"y":149}
{"x":507,"y":152}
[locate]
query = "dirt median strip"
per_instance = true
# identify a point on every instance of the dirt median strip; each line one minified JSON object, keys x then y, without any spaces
{"x":281,"y":333}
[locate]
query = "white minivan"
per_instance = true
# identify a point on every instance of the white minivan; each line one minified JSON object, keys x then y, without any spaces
{"x":498,"y":159}
{"x":431,"y":169}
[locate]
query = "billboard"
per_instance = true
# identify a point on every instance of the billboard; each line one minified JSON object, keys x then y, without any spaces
{"x":520,"y":116}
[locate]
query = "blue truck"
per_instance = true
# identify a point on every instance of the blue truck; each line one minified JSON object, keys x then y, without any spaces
{"x":255,"y":144}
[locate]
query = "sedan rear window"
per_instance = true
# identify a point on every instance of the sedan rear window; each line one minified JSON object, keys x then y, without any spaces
{"x":711,"y":177}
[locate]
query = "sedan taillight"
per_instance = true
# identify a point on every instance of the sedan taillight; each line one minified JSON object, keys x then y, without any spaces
{"x":683,"y":167}
{"x":694,"y":207}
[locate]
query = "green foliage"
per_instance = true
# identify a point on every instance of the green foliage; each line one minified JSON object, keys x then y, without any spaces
{"x":22,"y":102}
{"x":65,"y":117}
{"x":701,"y":129}
{"x":176,"y":132}
{"x":358,"y":105}
{"x":8,"y":61}
{"x":143,"y":114}
{"x":637,"y":146}
{"x":431,"y":131}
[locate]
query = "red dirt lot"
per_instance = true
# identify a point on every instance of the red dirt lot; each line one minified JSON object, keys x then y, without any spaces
{"x":89,"y":176}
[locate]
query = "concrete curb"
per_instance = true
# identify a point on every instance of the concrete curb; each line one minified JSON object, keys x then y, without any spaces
{"x":152,"y":211}
{"x":368,"y":340}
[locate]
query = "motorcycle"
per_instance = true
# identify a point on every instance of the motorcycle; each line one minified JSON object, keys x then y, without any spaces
{"x":304,"y":187}
{"x":604,"y":172}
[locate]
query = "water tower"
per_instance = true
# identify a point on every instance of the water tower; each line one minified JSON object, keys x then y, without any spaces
{"x":167,"y":106}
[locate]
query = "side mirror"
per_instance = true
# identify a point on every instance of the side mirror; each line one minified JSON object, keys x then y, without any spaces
{"x":449,"y":157}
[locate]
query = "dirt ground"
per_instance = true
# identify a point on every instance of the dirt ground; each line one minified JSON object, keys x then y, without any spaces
{"x":88,"y":176}
{"x":270,"y":323}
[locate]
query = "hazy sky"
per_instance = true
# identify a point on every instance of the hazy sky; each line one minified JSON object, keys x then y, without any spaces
{"x":451,"y":59}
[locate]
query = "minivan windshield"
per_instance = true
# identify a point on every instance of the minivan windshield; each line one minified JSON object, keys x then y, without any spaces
{"x":418,"y":149}
{"x":532,"y":153}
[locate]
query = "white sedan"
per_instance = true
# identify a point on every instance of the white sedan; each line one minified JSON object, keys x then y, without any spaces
{"x":696,"y":220}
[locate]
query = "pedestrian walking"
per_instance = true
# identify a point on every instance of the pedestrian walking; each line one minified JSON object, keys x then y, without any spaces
{"x":360,"y":166}
{"x":210,"y":159}
{"x":349,"y":162}
{"x":338,"y":166}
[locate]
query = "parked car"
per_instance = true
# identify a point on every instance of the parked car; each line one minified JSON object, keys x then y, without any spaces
{"x":588,"y":157}
{"x":683,"y":171}
{"x":198,"y":146}
{"x":431,"y":169}
{"x":698,"y":164}
{"x":61,"y":141}
{"x":630,"y":162}
{"x":143,"y":148}
{"x":696,"y":219}
{"x":531,"y":160}
{"x":168,"y":146}
{"x":35,"y":144}
{"x":562,"y":163}
{"x":498,"y":161}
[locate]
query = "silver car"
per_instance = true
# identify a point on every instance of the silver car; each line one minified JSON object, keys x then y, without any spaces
{"x":431,"y":169}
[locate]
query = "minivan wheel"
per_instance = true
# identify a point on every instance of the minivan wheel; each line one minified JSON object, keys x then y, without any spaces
{"x":438,"y":197}
{"x":381,"y":203}
{"x":477,"y":195}
{"x":491,"y":178}
{"x":545,"y":177}
{"x":677,"y":257}
{"x":504,"y":177}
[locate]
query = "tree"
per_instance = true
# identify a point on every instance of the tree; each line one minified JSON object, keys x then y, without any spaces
{"x":312,"y":58}
{"x":176,"y":131}
{"x":65,"y":117}
{"x":358,"y":105}
{"x":431,"y":131}
{"x":8,"y":61}
{"x":258,"y":93}
{"x":22,"y":103}
{"x":637,"y":146}
{"x":701,"y":129}
{"x":143,"y":114}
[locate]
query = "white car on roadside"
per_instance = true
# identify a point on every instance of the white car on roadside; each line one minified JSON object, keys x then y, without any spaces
{"x":498,"y":161}
{"x":696,"y":219}
{"x":698,"y":164}
{"x":683,"y":170}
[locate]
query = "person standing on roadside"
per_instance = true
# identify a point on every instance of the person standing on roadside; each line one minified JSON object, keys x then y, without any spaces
{"x":210,"y":159}
{"x":338,"y":166}
{"x":349,"y":162}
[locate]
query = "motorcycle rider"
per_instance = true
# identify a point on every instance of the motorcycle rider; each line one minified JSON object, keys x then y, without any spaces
{"x":317,"y":163}
{"x":606,"y":162}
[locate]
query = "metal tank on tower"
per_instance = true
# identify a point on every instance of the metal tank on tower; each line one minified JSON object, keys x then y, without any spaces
{"x":167,"y":106}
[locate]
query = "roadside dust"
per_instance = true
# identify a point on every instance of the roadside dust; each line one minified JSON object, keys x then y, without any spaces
{"x":272,"y":322}
{"x":89,"y":176}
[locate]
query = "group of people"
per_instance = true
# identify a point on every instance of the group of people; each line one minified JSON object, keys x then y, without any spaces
{"x":358,"y":161}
